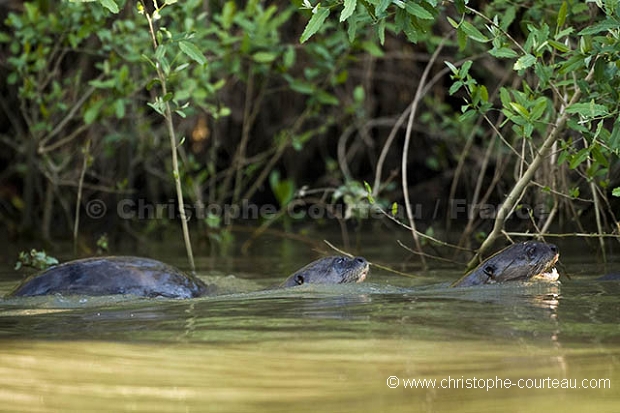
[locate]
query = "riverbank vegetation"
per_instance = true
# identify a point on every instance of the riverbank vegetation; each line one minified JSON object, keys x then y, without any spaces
{"x":485,"y":120}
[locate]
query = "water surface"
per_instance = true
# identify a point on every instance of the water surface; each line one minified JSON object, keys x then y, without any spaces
{"x":315,"y":349}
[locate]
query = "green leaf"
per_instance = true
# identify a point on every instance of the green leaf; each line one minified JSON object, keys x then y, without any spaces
{"x":452,"y":22}
{"x":289,"y":56}
{"x":228,"y":14}
{"x":181,"y":67}
{"x":369,"y":192}
{"x":574,"y":192}
{"x":394,"y":209}
{"x":380,"y":7}
{"x":561,"y":47}
{"x":508,"y":17}
{"x":352,"y":29}
{"x":147,"y":59}
{"x":588,"y":109}
{"x":614,"y":139}
{"x":472,"y":32}
{"x":314,"y":24}
{"x":372,"y":49}
{"x":103,"y":84}
{"x":464,"y":70}
{"x":520,"y":109}
{"x":504,"y":96}
{"x":503,"y":52}
{"x":152,"y":83}
{"x":604,"y":26}
{"x":157,"y":106}
{"x":349,"y":8}
{"x":359,"y":94}
{"x":381,"y":31}
{"x":461,"y":38}
{"x":460,"y":6}
{"x":110,"y":5}
{"x":192,"y":52}
{"x":524,"y":62}
{"x":452,"y":68}
{"x":539,"y":108}
{"x":616,"y":192}
{"x":92,"y":112}
{"x":562,"y":15}
{"x":300,"y":86}
{"x":467,"y":116}
{"x":326,"y":98}
{"x":283,"y":190}
{"x":264,"y":57}
{"x":416,"y":10}
{"x":455,"y":87}
{"x":119,"y":109}
{"x":578,"y":159}
{"x":483,"y":93}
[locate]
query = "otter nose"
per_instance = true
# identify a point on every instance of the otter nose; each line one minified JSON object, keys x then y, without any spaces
{"x":361,"y":260}
{"x":554,"y":248}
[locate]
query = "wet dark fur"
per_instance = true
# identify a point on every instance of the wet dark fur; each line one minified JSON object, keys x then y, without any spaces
{"x":113,"y":275}
{"x":330,"y":270}
{"x":518,"y":262}
{"x":150,"y":278}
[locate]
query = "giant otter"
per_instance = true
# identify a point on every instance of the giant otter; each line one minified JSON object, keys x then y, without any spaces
{"x":530,"y":260}
{"x":151,"y":278}
{"x":330,"y":270}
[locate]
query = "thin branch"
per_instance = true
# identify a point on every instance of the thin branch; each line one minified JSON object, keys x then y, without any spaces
{"x":414,"y":106}
{"x":78,"y":201}
{"x":381,"y":267}
{"x":567,"y":235}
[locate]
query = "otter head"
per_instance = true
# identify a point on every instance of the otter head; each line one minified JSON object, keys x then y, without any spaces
{"x":330,"y":270}
{"x":525,"y":261}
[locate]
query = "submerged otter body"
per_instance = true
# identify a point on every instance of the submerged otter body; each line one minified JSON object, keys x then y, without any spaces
{"x":525,"y":261}
{"x":151,"y":278}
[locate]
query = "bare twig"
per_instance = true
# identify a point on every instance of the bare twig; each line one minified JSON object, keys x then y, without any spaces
{"x":567,"y":235}
{"x":78,"y":201}
{"x":404,"y":163}
{"x":381,"y":267}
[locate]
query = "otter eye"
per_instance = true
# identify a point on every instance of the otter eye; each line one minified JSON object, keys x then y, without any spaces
{"x":299,"y":279}
{"x":530,"y":251}
{"x":489,"y":271}
{"x":339,"y":261}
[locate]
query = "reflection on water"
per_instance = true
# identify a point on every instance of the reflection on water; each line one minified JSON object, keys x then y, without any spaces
{"x":315,"y":349}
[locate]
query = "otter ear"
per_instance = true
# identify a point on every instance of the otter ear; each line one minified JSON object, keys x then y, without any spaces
{"x":299,"y":279}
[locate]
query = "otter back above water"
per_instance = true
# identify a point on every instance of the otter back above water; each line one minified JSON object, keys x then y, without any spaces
{"x":146,"y":277}
{"x":113,"y":275}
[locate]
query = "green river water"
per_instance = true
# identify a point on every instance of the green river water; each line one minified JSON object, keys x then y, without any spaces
{"x":345,"y":348}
